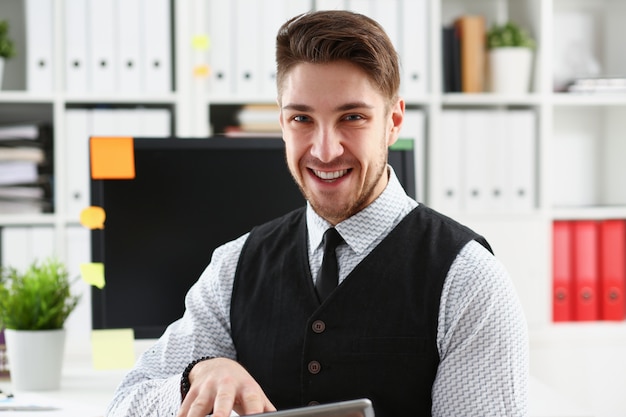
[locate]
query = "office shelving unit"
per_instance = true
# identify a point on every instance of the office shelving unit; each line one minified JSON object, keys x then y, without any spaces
{"x":587,"y":187}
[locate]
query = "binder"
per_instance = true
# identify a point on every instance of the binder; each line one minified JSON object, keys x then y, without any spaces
{"x":472,"y":32}
{"x":498,"y":161}
{"x":330,"y":4}
{"x":271,"y":20}
{"x":75,"y":30}
{"x":21,"y":245}
{"x":414,"y":21}
{"x":247,"y":48}
{"x":476,"y":140}
{"x":451,"y":162}
{"x":157,"y":46}
{"x":612,"y":269}
{"x":77,"y":122}
{"x":387,"y":13}
{"x":154,"y":123}
{"x":586,"y":270}
{"x":222,"y":32}
{"x":521,"y":159}
{"x":451,"y":45}
{"x":39,"y":47}
{"x":102,"y":56}
{"x":128,"y":63}
{"x":562,"y":271}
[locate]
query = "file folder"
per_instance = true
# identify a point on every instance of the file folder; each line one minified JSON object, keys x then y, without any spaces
{"x":612,"y":269}
{"x":586,"y":270}
{"x":562,"y":271}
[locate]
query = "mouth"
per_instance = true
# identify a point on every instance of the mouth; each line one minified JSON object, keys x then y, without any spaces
{"x":330,"y":175}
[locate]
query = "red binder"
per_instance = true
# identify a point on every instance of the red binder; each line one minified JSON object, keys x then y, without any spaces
{"x":612,"y":269}
{"x":586,"y":270}
{"x":562,"y":270}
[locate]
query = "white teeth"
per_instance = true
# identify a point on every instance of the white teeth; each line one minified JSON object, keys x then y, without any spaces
{"x":333,"y":175}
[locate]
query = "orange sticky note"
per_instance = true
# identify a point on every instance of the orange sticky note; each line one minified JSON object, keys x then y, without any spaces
{"x":112,"y":158}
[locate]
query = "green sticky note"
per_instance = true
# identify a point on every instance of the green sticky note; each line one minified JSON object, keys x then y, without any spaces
{"x":113,"y":348}
{"x":93,"y":274}
{"x":402,"y":145}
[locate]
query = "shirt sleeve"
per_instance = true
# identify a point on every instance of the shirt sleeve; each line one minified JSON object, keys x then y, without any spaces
{"x":482,"y":341}
{"x":152,"y":387}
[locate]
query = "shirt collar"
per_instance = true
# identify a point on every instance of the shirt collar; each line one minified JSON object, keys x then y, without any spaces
{"x":360,"y":230}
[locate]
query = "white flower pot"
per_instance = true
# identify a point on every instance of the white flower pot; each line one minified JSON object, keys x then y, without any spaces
{"x":35,"y":358}
{"x":510,"y":70}
{"x":1,"y":70}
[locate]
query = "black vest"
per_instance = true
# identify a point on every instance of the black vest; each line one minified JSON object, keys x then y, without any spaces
{"x":374,"y":336}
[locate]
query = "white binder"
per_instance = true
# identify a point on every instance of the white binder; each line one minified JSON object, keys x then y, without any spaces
{"x":77,"y":122}
{"x":157,"y":46}
{"x":128,"y":41}
{"x":247,"y":48}
{"x":414,"y":47}
{"x":21,"y":245}
{"x":154,"y":123}
{"x":521,"y":127}
{"x":498,"y":159}
{"x":102,"y":55}
{"x":449,"y":192}
{"x":477,"y":160}
{"x":75,"y":30}
{"x":222,"y":32}
{"x":271,"y":20}
{"x":39,"y":47}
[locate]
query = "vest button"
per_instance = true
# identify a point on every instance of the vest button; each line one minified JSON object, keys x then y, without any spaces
{"x":314,"y":367}
{"x":318,"y":326}
{"x":313,"y":403}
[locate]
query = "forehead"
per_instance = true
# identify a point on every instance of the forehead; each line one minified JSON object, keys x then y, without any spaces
{"x":328,"y":83}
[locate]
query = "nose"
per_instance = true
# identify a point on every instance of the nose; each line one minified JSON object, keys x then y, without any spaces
{"x":326,"y":145}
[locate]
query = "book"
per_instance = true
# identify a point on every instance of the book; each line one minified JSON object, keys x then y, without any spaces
{"x":472,"y":34}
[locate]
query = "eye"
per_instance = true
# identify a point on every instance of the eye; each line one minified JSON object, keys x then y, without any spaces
{"x":300,"y":118}
{"x":352,"y":117}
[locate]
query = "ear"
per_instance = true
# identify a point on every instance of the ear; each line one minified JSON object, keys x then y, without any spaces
{"x":396,"y":117}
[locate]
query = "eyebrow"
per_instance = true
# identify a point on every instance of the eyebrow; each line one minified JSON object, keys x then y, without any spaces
{"x":343,"y":107}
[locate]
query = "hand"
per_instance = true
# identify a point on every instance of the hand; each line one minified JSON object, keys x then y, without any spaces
{"x":220,"y":386}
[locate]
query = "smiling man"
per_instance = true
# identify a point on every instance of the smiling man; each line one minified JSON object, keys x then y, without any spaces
{"x":422,"y":319}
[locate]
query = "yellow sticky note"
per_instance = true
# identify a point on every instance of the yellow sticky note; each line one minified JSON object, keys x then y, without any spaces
{"x":201,"y":42}
{"x":113,"y":348}
{"x":93,"y":273}
{"x":112,"y":158}
{"x":93,"y":217}
{"x":201,"y":71}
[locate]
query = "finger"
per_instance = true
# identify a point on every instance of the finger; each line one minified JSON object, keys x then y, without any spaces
{"x":224,"y":403}
{"x":194,"y":405}
{"x":254,"y":402}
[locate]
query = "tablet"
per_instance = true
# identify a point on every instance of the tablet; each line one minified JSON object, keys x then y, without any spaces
{"x":350,"y":408}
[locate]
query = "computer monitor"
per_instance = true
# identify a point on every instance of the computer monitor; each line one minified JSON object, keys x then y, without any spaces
{"x":188,"y":197}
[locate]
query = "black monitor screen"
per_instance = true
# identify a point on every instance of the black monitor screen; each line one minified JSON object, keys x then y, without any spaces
{"x":188,"y":197}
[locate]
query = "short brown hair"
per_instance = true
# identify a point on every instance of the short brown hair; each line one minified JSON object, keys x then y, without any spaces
{"x":336,"y":35}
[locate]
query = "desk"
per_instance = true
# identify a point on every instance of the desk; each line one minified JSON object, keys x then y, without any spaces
{"x":86,"y":392}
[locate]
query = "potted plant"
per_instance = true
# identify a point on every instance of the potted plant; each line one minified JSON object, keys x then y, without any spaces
{"x":7,"y":47}
{"x":510,"y":58}
{"x":34,"y":305}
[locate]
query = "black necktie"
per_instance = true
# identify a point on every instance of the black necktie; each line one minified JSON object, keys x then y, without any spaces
{"x":328,"y":277}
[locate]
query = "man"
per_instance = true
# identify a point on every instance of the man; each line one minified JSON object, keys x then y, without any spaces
{"x":424,"y":320}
